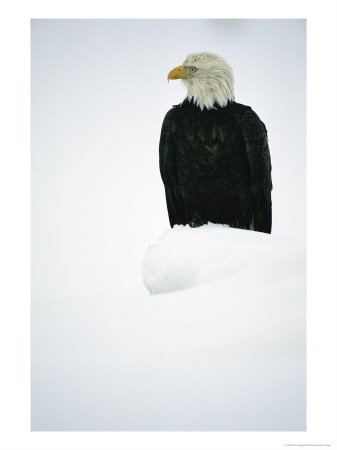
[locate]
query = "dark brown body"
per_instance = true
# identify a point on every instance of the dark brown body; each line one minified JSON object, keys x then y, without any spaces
{"x":215,"y":165}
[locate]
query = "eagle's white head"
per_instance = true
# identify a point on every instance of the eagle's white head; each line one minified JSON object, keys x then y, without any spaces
{"x":208,"y":78}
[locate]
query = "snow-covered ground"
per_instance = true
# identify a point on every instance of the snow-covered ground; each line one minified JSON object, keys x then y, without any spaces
{"x":226,"y":354}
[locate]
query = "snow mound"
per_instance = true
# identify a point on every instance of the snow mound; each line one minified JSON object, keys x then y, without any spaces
{"x":185,"y":257}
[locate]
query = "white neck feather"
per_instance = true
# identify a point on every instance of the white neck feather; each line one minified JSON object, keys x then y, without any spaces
{"x":206,"y":95}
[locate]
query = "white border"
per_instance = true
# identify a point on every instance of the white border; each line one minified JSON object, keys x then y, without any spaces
{"x":15,"y":228}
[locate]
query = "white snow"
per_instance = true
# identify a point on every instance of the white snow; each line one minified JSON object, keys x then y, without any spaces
{"x":228,"y":355}
{"x":185,"y":257}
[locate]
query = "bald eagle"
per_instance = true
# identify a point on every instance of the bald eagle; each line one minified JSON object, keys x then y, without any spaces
{"x":213,"y":152}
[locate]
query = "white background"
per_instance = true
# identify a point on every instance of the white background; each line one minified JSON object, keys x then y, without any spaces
{"x":99,"y":95}
{"x":15,"y":237}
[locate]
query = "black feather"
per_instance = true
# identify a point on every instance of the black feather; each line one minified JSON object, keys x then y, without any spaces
{"x":215,"y":165}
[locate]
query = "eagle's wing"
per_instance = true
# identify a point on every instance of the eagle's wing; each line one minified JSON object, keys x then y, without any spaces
{"x":258,"y":156}
{"x":167,"y":164}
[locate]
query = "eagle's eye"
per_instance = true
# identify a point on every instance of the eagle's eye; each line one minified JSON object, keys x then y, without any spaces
{"x":190,"y":69}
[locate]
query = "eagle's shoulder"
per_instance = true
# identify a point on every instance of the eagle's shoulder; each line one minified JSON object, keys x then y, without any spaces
{"x":250,"y":122}
{"x":175,"y":115}
{"x":171,"y":115}
{"x":239,"y":110}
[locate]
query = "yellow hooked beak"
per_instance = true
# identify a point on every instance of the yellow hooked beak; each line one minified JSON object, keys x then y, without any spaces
{"x":178,"y":72}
